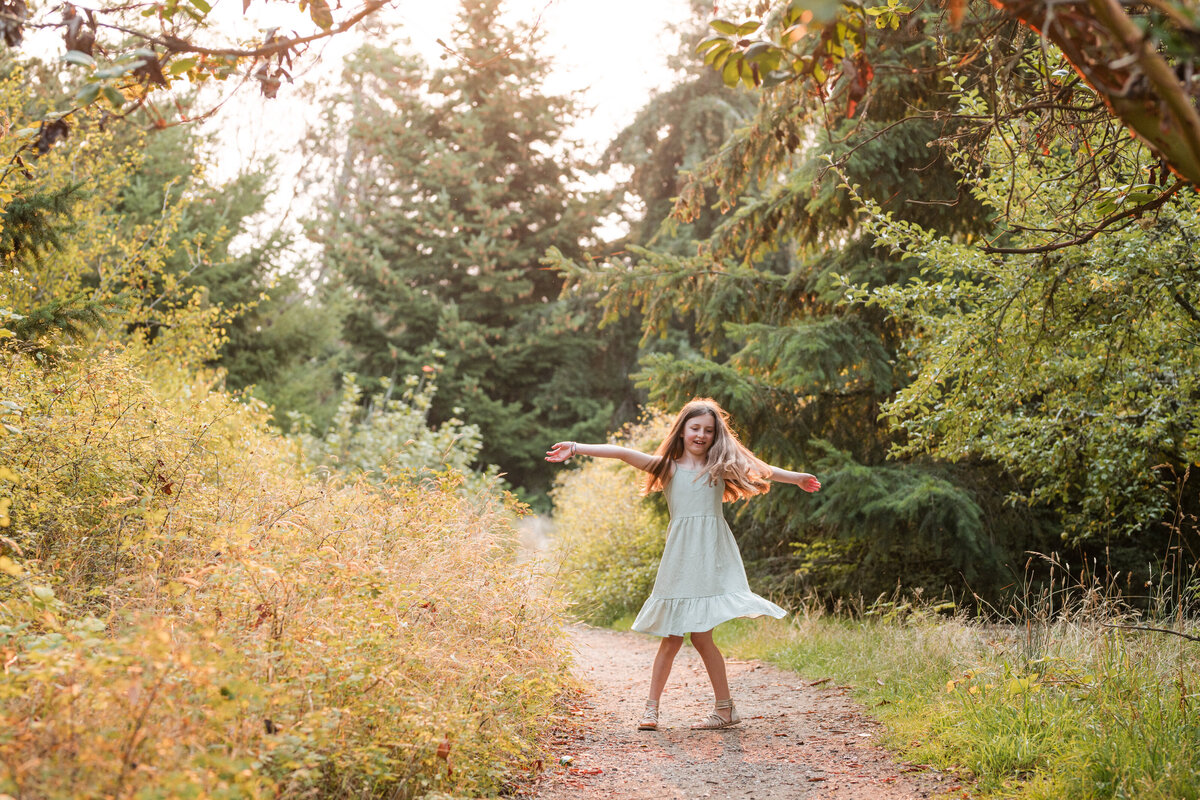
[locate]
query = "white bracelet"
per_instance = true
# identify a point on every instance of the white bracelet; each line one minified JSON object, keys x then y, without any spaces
{"x":573,"y":448}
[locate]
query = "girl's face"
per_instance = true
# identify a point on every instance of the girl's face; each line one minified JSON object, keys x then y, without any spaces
{"x":698,"y":433}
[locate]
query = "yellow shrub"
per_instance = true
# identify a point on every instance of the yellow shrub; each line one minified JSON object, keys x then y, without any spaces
{"x":183,"y":613}
{"x":608,"y":538}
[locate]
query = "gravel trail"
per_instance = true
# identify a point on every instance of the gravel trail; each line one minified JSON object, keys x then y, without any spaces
{"x":798,"y":738}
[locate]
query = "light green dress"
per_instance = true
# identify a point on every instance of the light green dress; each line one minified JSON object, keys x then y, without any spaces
{"x":701,"y":581}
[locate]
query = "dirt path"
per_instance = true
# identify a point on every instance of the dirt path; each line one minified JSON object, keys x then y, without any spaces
{"x":796,"y":741}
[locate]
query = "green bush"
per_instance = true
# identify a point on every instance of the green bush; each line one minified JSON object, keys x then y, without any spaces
{"x":185,"y":613}
{"x":391,"y":436}
{"x":607,"y":537}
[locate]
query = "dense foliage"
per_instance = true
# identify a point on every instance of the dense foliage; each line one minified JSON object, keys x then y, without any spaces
{"x":186,"y":609}
{"x":1134,"y":59}
{"x":804,"y":373}
{"x":184,"y":613}
{"x":448,"y":188}
{"x":391,"y":436}
{"x":1076,"y":367}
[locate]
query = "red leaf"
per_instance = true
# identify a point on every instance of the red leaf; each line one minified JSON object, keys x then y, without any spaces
{"x":957,"y":9}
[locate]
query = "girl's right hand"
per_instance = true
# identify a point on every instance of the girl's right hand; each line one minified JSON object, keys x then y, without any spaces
{"x":561,"y":451}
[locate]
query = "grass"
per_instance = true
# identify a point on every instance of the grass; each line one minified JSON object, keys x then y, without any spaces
{"x":1061,"y":707}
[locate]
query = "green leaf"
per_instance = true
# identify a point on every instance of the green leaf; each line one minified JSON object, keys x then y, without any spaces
{"x":731,"y":73}
{"x":117,"y":70}
{"x":715,"y":56}
{"x":181,"y":65}
{"x":776,"y":77}
{"x":875,"y":11}
{"x":114,"y":97}
{"x":750,"y":75}
{"x":724,"y":26}
{"x":86,"y":96}
{"x":747,"y":28}
{"x":201,"y":5}
{"x":76,"y":57}
{"x":710,"y":42}
{"x":758,"y":50}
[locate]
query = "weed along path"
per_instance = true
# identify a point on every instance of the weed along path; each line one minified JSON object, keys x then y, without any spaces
{"x":798,"y":739}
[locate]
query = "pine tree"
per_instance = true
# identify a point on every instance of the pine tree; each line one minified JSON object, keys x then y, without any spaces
{"x":447,"y":194}
{"x":281,"y":340}
{"x":804,"y":372}
{"x":677,"y":130}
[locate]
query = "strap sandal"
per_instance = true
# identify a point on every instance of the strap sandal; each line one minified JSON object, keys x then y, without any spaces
{"x":649,"y":721}
{"x":715,"y":721}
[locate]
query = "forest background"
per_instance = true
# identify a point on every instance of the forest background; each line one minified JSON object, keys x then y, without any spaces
{"x":917,"y":251}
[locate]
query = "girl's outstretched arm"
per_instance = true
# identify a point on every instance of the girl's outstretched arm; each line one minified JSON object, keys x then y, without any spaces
{"x":635,"y":458}
{"x":804,"y":480}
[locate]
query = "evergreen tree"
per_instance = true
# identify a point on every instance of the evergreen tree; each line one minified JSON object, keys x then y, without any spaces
{"x":805,"y":373}
{"x":448,"y":192}
{"x":280,"y":340}
{"x":679,"y":129}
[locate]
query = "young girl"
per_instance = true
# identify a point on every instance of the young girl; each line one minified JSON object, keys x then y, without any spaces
{"x":701,"y":581}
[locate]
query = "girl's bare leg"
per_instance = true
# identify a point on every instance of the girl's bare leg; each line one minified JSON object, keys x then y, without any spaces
{"x":714,"y":662}
{"x":667,"y":649}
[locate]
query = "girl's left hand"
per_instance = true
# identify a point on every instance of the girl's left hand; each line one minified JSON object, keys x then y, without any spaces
{"x":560,"y":452}
{"x":808,"y":483}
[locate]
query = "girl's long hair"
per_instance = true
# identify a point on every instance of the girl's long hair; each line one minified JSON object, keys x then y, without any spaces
{"x":744,"y":473}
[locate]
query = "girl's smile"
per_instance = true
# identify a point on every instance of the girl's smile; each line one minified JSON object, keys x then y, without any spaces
{"x":698,"y":435}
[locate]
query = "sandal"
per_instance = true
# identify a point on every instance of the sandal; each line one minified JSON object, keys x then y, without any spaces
{"x":649,"y":721}
{"x":715,"y":721}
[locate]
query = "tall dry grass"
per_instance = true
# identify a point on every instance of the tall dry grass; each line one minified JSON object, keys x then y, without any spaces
{"x":185,"y":613}
{"x":1069,"y":697}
